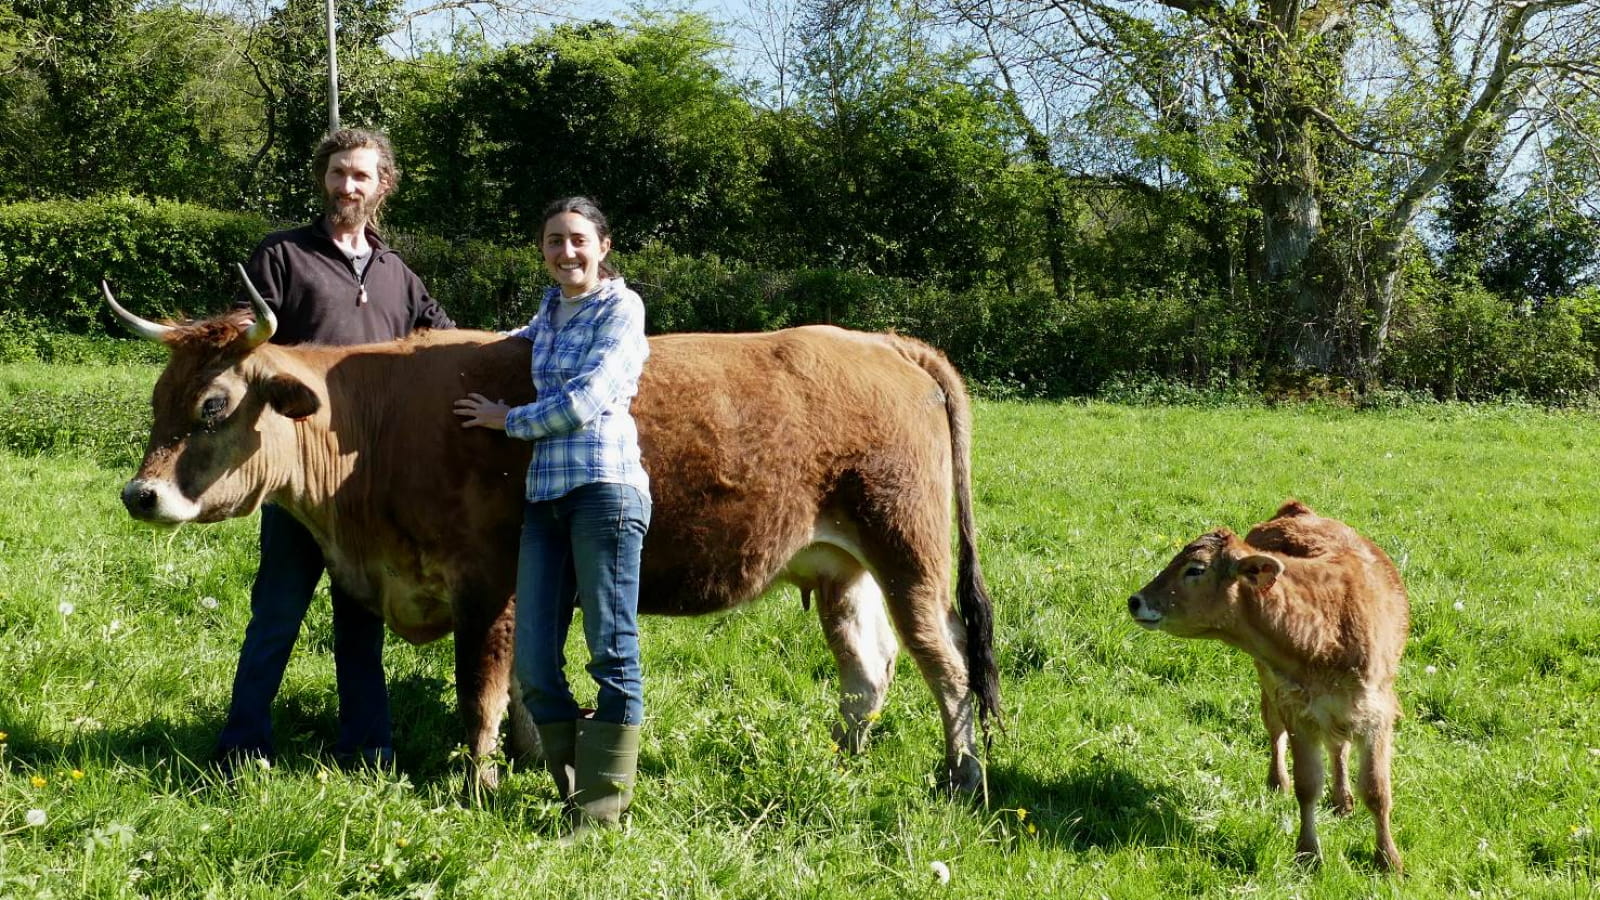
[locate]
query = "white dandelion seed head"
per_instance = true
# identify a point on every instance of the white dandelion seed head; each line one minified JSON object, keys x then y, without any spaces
{"x":209,"y":602}
{"x":35,"y":818}
{"x":1431,"y":670}
{"x":941,"y":871}
{"x":1459,"y":606}
{"x":66,"y":608}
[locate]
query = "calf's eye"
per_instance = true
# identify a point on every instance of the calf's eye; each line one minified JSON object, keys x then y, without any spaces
{"x":1194,"y":571}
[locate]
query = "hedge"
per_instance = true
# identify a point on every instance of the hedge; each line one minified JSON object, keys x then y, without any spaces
{"x":170,"y":260}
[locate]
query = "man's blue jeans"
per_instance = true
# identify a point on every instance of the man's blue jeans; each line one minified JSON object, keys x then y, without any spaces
{"x":291,"y":563}
{"x":585,"y":544}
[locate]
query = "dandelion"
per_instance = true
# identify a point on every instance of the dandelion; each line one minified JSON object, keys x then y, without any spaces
{"x":402,"y":843}
{"x":77,"y":774}
{"x":1022,"y":813}
{"x":66,"y":608}
{"x":1431,"y":670}
{"x":38,"y":781}
{"x":1460,"y":607}
{"x":209,"y":602}
{"x":35,"y":818}
{"x":3,"y":737}
{"x":941,"y":871}
{"x":1032,"y":829}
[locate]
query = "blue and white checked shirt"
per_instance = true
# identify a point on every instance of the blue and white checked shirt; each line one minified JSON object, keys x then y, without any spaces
{"x":586,"y":373}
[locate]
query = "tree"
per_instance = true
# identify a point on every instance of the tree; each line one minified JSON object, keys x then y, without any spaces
{"x":1350,"y":114}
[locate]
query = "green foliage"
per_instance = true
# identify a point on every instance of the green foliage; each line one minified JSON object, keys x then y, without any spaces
{"x":100,"y":98}
{"x":481,"y":285}
{"x":1461,"y":341}
{"x":641,"y":119}
{"x":162,"y":259}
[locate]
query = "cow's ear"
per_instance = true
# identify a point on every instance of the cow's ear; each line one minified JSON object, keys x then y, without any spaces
{"x":291,"y":397}
{"x":1259,"y":571}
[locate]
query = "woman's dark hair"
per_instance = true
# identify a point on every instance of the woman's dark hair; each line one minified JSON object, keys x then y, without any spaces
{"x":590,"y":210}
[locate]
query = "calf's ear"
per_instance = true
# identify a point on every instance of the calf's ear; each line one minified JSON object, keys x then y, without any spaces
{"x":1259,"y":571}
{"x":290,"y":396}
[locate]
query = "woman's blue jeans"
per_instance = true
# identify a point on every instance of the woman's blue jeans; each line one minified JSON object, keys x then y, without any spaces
{"x":584,"y":545}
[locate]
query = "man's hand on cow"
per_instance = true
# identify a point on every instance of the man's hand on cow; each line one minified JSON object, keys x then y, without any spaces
{"x":479,"y":411}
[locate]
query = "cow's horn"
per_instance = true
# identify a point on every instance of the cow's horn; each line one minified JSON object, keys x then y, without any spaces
{"x":150,"y":331}
{"x":266,"y":323}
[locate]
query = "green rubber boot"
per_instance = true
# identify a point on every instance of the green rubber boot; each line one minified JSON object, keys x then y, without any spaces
{"x":559,"y":741}
{"x":607,"y":764}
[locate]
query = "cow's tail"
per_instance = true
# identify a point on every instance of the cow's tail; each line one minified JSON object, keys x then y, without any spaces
{"x":972,"y":595}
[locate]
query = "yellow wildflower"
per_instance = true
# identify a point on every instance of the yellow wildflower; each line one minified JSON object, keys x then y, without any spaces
{"x":38,"y":781}
{"x":402,"y":843}
{"x":77,"y":774}
{"x":1022,"y":813}
{"x":3,"y":737}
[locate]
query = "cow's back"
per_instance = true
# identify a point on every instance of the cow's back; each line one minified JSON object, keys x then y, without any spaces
{"x":748,"y":438}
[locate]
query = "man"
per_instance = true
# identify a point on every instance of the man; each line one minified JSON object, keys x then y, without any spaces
{"x":331,"y":282}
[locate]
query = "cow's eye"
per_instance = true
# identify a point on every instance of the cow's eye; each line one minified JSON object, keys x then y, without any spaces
{"x":212,"y":409}
{"x":1194,"y":571}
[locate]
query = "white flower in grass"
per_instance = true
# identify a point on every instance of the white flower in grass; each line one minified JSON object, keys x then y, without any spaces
{"x":1460,"y":607}
{"x":66,"y":608}
{"x":209,"y":602}
{"x":1431,"y":670}
{"x":941,"y":871}
{"x":35,"y":818}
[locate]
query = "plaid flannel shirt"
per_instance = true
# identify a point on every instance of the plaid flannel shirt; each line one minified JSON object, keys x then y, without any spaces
{"x":586,"y":374}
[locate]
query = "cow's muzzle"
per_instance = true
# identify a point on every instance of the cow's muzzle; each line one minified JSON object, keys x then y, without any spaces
{"x":159,"y":502}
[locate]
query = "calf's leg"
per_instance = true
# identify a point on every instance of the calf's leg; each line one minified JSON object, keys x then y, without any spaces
{"x":1307,"y":751}
{"x":1377,"y":750}
{"x":1277,"y":738}
{"x":1339,"y":797}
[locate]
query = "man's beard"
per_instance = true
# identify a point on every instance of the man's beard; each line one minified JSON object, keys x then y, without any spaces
{"x":355,"y":216}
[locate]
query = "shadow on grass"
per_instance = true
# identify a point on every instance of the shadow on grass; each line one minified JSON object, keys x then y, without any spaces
{"x":427,"y":730}
{"x":1099,"y":805}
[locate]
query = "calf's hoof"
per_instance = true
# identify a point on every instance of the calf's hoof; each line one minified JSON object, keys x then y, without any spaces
{"x":1341,"y":804}
{"x":1387,"y":861}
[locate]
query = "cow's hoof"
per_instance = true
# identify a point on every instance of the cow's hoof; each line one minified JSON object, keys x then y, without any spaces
{"x":965,"y":777}
{"x":1341,"y":804}
{"x":852,"y":739}
{"x":483,"y":778}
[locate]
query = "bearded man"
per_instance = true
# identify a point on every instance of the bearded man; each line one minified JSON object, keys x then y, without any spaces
{"x":333,"y":281}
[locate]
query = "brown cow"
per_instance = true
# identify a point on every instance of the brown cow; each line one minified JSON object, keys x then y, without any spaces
{"x":1322,"y":611}
{"x":817,"y":456}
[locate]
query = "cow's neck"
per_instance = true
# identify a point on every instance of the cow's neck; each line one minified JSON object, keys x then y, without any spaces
{"x":323,"y":461}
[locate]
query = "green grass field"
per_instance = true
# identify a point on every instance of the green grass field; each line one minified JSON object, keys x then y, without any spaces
{"x":1133,"y":764}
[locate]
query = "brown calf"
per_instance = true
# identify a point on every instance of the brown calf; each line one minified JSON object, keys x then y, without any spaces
{"x":1323,"y":613}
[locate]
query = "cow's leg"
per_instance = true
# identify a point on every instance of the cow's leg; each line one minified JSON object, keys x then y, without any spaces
{"x":1376,"y":751}
{"x":1308,"y":776}
{"x":918,"y":599}
{"x":523,"y":734}
{"x":483,"y":683}
{"x":863,"y":643}
{"x":1277,"y":738}
{"x":1339,"y":798}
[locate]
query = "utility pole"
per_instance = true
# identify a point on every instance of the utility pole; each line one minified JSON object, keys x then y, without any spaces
{"x":333,"y":73}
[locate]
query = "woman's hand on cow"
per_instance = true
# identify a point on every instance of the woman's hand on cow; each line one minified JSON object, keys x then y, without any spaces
{"x":481,"y":412}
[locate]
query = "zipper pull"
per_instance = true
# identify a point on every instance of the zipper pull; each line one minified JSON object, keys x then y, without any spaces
{"x":362,"y":300}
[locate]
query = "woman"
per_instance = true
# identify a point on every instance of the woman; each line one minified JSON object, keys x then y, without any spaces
{"x":588,"y":507}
